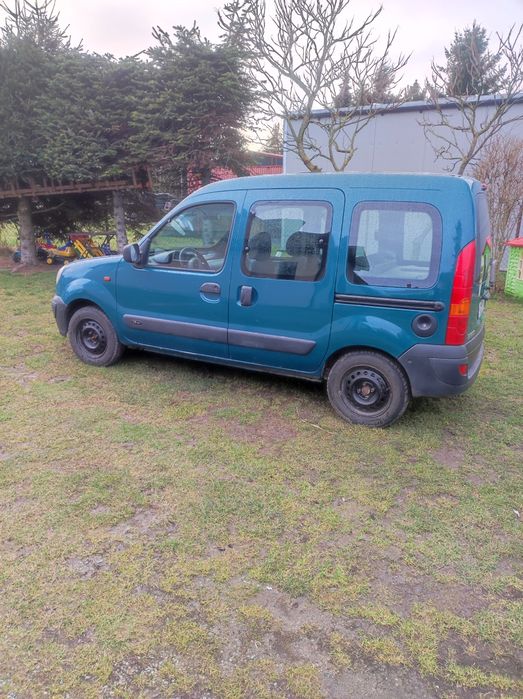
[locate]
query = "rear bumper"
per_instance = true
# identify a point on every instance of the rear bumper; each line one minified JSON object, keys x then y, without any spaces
{"x":60,"y":314}
{"x":433,"y":370}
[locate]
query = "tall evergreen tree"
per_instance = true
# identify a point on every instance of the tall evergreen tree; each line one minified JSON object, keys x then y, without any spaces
{"x":196,"y":106}
{"x":415,"y":93}
{"x":86,"y":119}
{"x":30,"y":40}
{"x":274,"y":143}
{"x":74,"y":116}
{"x":378,"y":88}
{"x":471,"y":69}
{"x":65,"y":114}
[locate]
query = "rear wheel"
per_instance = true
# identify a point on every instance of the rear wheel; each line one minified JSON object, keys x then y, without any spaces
{"x":367,"y":388}
{"x":93,"y":337}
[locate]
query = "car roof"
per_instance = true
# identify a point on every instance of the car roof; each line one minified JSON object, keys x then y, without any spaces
{"x":340,"y":180}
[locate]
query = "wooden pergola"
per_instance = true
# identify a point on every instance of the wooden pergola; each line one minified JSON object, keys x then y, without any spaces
{"x":138,"y":178}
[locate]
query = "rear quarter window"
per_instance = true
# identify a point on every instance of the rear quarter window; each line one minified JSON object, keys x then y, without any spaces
{"x":482,"y":220}
{"x":483,"y":250}
{"x":394,"y":244}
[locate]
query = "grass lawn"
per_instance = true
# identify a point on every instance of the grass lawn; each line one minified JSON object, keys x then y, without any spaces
{"x":170,"y":529}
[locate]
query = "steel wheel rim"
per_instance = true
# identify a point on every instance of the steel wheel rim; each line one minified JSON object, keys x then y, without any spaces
{"x":365,"y":390}
{"x":92,"y":337}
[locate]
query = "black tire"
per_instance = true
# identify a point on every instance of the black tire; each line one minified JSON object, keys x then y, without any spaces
{"x":367,"y":388}
{"x":93,"y":337}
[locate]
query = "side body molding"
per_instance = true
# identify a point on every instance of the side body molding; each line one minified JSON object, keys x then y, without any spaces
{"x":241,"y":338}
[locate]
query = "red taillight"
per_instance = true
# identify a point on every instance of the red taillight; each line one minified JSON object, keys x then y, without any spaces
{"x":461,"y":296}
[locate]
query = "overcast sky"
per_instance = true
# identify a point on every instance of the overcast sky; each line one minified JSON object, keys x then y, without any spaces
{"x":123,"y":27}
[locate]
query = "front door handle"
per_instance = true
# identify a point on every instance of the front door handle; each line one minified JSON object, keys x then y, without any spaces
{"x":210,"y":288}
{"x":245,"y":295}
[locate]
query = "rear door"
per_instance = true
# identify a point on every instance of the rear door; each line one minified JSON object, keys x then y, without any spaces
{"x":283,"y":277}
{"x":391,"y":291}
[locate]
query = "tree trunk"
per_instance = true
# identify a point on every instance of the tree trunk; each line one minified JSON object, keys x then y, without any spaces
{"x":184,"y":187}
{"x":27,"y":240}
{"x":206,"y":175}
{"x":119,"y":217}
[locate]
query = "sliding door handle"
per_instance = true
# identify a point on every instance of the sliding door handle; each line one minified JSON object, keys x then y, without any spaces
{"x":245,"y":295}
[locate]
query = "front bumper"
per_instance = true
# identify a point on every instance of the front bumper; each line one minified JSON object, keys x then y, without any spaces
{"x":60,"y":314}
{"x":433,"y":370}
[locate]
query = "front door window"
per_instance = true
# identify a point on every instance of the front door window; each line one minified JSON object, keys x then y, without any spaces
{"x":194,"y":239}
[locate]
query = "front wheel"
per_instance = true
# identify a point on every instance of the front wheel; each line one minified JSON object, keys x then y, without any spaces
{"x":367,"y":388}
{"x":93,"y":337}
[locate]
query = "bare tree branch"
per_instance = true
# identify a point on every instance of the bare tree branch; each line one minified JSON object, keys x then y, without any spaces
{"x":501,"y":169}
{"x":301,"y":60}
{"x":463,"y":124}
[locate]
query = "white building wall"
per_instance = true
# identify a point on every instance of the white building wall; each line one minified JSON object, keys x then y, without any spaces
{"x":395,"y":142}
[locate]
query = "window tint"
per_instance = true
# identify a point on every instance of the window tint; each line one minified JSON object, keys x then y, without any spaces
{"x":394,"y":244}
{"x":287,"y":240}
{"x":194,"y":239}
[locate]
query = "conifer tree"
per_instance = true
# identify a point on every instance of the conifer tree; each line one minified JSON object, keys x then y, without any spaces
{"x":196,"y":105}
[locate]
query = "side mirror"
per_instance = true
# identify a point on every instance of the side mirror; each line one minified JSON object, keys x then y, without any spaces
{"x":131,"y":253}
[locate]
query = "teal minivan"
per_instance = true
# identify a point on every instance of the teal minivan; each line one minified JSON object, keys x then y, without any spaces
{"x":375,"y":284}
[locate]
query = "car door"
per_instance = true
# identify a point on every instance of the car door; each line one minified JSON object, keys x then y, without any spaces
{"x":283,"y":278}
{"x":177,"y":300}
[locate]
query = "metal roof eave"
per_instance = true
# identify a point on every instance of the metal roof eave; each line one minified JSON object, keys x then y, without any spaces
{"x":417,"y":106}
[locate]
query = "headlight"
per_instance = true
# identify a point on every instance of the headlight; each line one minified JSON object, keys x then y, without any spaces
{"x":59,"y":274}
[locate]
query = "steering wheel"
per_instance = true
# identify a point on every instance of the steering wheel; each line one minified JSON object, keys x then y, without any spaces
{"x":191,"y":254}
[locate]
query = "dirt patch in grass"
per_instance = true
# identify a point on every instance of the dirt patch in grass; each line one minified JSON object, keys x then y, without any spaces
{"x":449,"y":455}
{"x":59,"y":636}
{"x":294,"y":613}
{"x":476,"y":653}
{"x":59,"y":379}
{"x":267,"y":433}
{"x":88,"y":567}
{"x":400,"y":587}
{"x":350,"y":509}
{"x":7,"y":263}
{"x":124,"y":674}
{"x":21,"y":374}
{"x":377,"y":683}
{"x":100,"y":510}
{"x":145,"y":522}
{"x":302,"y":635}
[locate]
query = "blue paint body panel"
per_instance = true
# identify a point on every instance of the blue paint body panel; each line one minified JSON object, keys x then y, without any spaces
{"x":290,"y":326}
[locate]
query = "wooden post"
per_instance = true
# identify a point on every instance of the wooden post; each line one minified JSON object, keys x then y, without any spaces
{"x":119,"y":218}
{"x":27,"y":240}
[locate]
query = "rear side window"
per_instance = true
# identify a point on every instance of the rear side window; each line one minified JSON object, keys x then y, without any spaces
{"x":483,"y":253}
{"x":482,"y":220}
{"x":394,"y":244}
{"x":287,"y":240}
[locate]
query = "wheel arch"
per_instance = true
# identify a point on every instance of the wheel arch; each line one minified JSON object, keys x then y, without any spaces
{"x":75,"y":305}
{"x":332,"y":359}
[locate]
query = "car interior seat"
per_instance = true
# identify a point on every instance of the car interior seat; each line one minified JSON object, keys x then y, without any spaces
{"x":305,"y":250}
{"x":259,"y":254}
